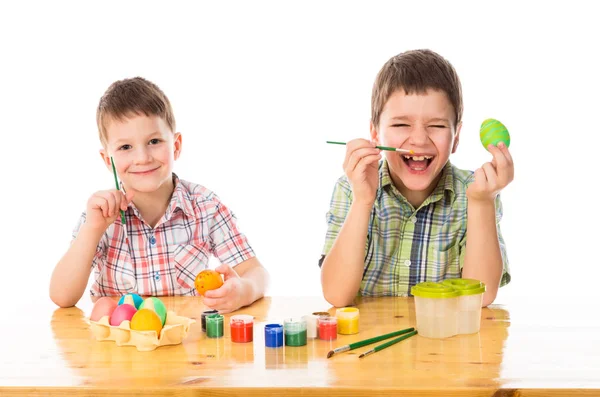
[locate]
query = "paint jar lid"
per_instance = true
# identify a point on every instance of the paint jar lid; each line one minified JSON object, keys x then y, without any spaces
{"x":347,"y":312}
{"x":294,"y":325}
{"x":327,"y":320}
{"x":241,"y":319}
{"x":430,"y":289}
{"x":207,"y":312}
{"x":214,"y":318}
{"x":466,"y":286}
{"x":273,"y":328}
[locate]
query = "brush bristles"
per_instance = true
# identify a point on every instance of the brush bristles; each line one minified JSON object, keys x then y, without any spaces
{"x":331,"y":353}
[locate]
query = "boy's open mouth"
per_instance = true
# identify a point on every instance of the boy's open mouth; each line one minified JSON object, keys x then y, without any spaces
{"x":417,"y":162}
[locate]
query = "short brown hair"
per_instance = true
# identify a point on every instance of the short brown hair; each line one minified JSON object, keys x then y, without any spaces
{"x":415,"y":72}
{"x":128,"y":97}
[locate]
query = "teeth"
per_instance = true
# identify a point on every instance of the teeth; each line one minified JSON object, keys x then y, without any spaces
{"x":418,"y":158}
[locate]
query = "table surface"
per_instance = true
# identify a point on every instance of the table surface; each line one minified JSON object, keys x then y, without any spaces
{"x":526,"y":350}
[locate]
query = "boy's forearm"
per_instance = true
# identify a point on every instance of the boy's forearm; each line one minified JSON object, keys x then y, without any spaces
{"x":256,"y":280}
{"x":72,"y":272}
{"x":342,"y":269}
{"x":483,"y":260}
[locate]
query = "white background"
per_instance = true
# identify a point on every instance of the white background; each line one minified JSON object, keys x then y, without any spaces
{"x":259,"y":87}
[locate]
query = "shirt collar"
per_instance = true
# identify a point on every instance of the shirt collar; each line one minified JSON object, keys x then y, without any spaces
{"x":180,"y":199}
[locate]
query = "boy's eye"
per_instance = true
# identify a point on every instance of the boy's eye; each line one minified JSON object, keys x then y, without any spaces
{"x":438,"y":126}
{"x":154,"y":141}
{"x":399,"y":125}
{"x":125,"y":147}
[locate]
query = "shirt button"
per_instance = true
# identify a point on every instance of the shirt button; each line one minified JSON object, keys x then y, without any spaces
{"x":407,"y":263}
{"x":413,"y":219}
{"x":152,"y":240}
{"x":157,"y":276}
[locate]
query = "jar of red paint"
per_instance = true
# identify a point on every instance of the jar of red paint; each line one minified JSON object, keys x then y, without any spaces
{"x":327,"y":328}
{"x":242,"y":328}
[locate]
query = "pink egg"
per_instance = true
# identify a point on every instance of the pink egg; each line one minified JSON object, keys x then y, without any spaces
{"x":122,"y":313}
{"x":103,"y":307}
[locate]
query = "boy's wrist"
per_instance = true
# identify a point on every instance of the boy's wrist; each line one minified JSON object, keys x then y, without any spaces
{"x":481,"y":204}
{"x":91,"y":231}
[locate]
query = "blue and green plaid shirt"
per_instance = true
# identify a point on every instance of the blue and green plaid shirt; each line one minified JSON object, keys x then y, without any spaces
{"x":407,"y":246}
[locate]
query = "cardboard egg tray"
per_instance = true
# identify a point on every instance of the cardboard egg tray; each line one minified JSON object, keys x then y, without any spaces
{"x":174,"y":331}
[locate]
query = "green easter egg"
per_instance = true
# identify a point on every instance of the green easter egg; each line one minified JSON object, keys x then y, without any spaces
{"x":493,"y":132}
{"x":157,"y":306}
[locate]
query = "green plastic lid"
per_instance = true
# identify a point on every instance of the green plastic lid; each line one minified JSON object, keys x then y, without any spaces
{"x":430,"y":289}
{"x":465,"y":286}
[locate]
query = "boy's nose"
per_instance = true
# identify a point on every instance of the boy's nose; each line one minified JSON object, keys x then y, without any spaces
{"x":418,"y":136}
{"x":142,"y":155}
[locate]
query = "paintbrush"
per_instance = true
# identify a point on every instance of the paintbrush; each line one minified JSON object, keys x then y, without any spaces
{"x":118,"y":188}
{"x":365,"y":342}
{"x":387,"y":344}
{"x":388,"y":148}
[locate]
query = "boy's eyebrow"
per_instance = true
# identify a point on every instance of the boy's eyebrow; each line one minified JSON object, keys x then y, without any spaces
{"x":439,"y":119}
{"x":119,"y":141}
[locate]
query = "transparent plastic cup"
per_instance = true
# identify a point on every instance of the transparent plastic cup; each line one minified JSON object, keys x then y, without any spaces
{"x":436,"y":306}
{"x":469,"y":303}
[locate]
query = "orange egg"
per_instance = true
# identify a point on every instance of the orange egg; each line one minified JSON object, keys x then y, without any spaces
{"x":146,"y":320}
{"x":207,"y":280}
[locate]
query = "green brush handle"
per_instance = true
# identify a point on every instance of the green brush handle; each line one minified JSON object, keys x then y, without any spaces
{"x":392,"y":149}
{"x":365,"y":342}
{"x":117,"y":186}
{"x":393,"y":341}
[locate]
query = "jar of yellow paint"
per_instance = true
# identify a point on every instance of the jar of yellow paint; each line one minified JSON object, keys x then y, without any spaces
{"x":347,"y":320}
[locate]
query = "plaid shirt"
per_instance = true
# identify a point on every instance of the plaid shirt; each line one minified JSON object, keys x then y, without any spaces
{"x":407,"y":246}
{"x":165,"y":260}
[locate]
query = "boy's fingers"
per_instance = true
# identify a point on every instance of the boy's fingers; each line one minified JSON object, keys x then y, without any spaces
{"x":218,"y":293}
{"x":500,"y":159}
{"x":490,"y":175}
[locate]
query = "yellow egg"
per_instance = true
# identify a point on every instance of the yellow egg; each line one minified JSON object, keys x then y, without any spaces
{"x":146,"y":320}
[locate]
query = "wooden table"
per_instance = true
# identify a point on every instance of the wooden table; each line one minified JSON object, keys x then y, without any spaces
{"x":527,"y":350}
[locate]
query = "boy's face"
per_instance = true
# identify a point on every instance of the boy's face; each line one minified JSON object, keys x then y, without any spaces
{"x":423,"y":123}
{"x":144,"y":151}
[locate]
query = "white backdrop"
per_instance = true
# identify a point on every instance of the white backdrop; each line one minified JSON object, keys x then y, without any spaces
{"x":258,"y":87}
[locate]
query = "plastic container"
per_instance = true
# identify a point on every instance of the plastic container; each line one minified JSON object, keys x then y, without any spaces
{"x":469,"y":303}
{"x":214,"y":326}
{"x":437,"y":309}
{"x":242,"y":328}
{"x":273,"y":335}
{"x":295,"y":332}
{"x":203,"y":318}
{"x":311,"y":325}
{"x":327,"y":328}
{"x":347,"y":320}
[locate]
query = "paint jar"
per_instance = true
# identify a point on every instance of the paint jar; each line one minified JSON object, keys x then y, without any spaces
{"x":273,"y":335}
{"x":203,"y":318}
{"x":311,"y":326}
{"x":295,"y":332}
{"x":469,"y":303}
{"x":436,"y":306}
{"x":214,"y":325}
{"x":242,"y":328}
{"x":347,"y":320}
{"x":327,"y":328}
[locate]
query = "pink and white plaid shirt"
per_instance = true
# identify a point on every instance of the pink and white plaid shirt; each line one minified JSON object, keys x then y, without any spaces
{"x":165,"y":260}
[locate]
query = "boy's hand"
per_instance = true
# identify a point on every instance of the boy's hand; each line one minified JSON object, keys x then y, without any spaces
{"x":103,"y":208}
{"x":361,"y":168}
{"x":492,"y":177}
{"x":231,"y":295}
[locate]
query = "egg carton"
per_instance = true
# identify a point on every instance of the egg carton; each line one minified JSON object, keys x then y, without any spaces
{"x":173,"y":333}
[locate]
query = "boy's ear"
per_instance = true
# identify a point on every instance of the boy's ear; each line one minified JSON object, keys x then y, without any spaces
{"x":177,"y":141}
{"x":106,"y":159}
{"x":456,"y":137}
{"x":374,"y":132}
